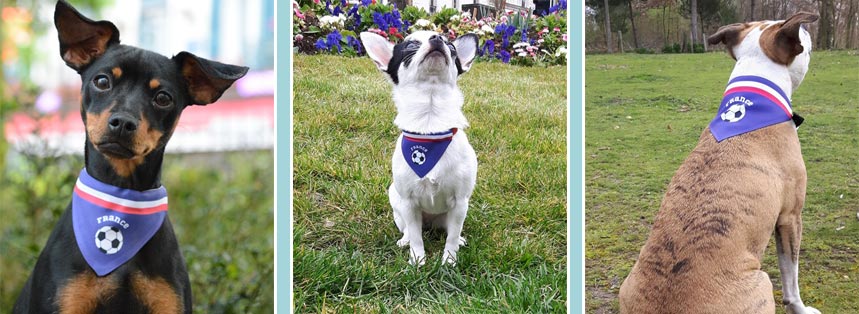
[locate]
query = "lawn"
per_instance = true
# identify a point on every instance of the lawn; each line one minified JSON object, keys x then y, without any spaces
{"x":644,"y":114}
{"x":220,"y":205}
{"x":345,"y":257}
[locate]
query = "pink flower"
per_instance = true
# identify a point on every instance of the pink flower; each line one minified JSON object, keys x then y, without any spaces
{"x":545,"y":30}
{"x":316,"y":1}
{"x":299,"y":37}
{"x":298,"y":13}
{"x":564,"y":37}
{"x":557,"y":29}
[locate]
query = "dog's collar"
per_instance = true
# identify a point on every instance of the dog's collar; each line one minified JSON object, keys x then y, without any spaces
{"x":423,"y":151}
{"x":111,"y":224}
{"x":750,"y":103}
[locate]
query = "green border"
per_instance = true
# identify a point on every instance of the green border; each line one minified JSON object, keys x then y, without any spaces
{"x":283,"y":154}
{"x":575,"y":165}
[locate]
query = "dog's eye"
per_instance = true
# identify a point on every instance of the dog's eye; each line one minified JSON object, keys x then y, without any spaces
{"x":163,"y":100}
{"x":101,"y":82}
{"x":413,"y":45}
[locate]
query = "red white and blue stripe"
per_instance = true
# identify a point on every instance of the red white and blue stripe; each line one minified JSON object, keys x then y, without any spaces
{"x":750,"y":103}
{"x":135,"y":215}
{"x":423,"y":151}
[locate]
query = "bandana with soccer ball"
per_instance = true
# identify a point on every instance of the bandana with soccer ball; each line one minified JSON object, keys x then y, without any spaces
{"x":751,"y":103}
{"x":112,"y":224}
{"x":423,"y":151}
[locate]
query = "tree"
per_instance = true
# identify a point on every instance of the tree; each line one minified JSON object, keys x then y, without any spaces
{"x":607,"y":18}
{"x":694,"y":13}
{"x":632,"y":21}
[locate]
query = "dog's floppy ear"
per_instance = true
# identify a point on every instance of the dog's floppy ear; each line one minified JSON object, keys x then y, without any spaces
{"x":378,"y":48}
{"x":82,"y":40}
{"x":207,"y":80}
{"x":728,"y":35}
{"x":466,"y":50}
{"x":782,"y":43}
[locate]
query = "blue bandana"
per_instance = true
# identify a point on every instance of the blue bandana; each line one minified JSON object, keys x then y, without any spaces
{"x":112,"y":224}
{"x":750,"y":103}
{"x":423,"y":151}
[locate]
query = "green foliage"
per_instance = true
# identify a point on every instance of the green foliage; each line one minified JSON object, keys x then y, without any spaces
{"x":345,"y":255}
{"x":412,"y":14}
{"x":443,"y":16}
{"x":644,"y":116}
{"x":210,"y":196}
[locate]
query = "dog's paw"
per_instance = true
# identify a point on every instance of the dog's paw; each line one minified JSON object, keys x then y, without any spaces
{"x":449,"y":258}
{"x":417,"y":258}
{"x":800,"y":309}
{"x":403,"y":242}
{"x":462,"y":241}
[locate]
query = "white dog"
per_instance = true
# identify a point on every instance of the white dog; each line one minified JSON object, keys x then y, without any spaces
{"x":434,"y":166}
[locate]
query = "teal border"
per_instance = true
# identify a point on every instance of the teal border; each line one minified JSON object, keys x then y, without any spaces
{"x":283,"y":152}
{"x":575,"y":163}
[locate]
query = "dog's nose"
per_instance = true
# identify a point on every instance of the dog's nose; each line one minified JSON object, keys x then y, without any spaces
{"x":121,"y":125}
{"x":436,"y":38}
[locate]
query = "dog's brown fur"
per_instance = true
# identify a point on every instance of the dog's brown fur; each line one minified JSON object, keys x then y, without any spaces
{"x":712,"y":222}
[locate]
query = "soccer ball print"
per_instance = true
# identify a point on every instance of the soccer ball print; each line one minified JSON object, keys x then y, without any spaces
{"x":734,"y":113}
{"x":418,"y":157}
{"x":108,"y":239}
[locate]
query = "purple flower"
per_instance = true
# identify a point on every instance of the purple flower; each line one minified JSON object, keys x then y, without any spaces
{"x":366,"y":3}
{"x":333,"y":39}
{"x":380,"y":20}
{"x":488,"y":47}
{"x":354,"y":43}
{"x":320,"y":44}
{"x":504,"y":56}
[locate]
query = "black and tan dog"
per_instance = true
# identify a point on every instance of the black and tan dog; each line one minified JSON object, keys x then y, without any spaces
{"x":131,"y":100}
{"x":744,"y":180}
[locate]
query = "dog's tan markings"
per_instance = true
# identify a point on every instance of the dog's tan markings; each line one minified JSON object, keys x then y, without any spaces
{"x":198,"y":84}
{"x":96,"y":123}
{"x":154,"y":83}
{"x":144,"y":141}
{"x":117,"y":72}
{"x":781,"y":42}
{"x":82,"y":294}
{"x":156,"y":294}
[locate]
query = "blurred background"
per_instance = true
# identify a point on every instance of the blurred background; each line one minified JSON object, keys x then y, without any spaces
{"x":219,"y":165}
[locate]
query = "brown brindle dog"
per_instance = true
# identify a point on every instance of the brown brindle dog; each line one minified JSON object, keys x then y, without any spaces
{"x":704,"y":252}
{"x":131,"y":101}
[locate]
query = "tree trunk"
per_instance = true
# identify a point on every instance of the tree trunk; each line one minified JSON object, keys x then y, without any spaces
{"x":824,"y":33}
{"x":608,"y":42}
{"x":752,"y":11}
{"x":694,"y":15}
{"x":632,"y":20}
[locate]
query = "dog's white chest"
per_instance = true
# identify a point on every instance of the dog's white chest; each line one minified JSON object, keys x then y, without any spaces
{"x":452,"y":178}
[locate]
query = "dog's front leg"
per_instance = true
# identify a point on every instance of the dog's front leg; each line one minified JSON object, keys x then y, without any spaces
{"x":787,"y":238}
{"x":453,"y":226}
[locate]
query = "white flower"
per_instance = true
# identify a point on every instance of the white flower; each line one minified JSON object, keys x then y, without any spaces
{"x":522,"y":54}
{"x":481,"y":33}
{"x":488,"y":29}
{"x":466,"y":14}
{"x":454,"y":18}
{"x":422,"y":23}
{"x":521,"y":44}
{"x":561,"y":50}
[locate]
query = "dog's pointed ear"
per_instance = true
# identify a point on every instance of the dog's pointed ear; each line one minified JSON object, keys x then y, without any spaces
{"x":728,"y":35}
{"x":206,"y":79}
{"x":378,"y":48}
{"x":786,"y":44}
{"x":82,"y":40}
{"x":466,"y":50}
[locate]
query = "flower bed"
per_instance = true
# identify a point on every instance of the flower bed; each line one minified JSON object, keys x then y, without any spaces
{"x":512,"y":37}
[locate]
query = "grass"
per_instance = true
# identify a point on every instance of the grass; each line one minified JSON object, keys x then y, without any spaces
{"x":220,"y":205}
{"x":345,"y":257}
{"x":644,"y":114}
